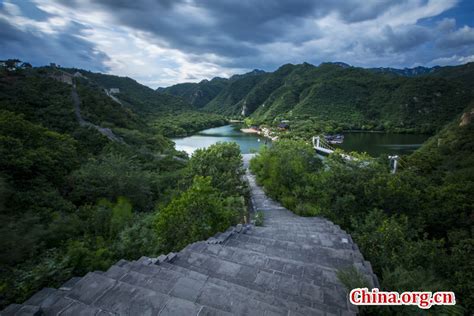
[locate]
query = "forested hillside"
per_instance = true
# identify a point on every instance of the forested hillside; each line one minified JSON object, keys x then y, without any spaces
{"x":169,"y":115}
{"x":142,"y":98}
{"x":218,"y":95}
{"x":197,"y":94}
{"x":73,"y":200}
{"x":410,"y":100}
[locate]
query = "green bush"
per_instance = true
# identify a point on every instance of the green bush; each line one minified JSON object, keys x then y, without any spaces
{"x":259,"y":218}
{"x":222,"y":162}
{"x":196,"y":214}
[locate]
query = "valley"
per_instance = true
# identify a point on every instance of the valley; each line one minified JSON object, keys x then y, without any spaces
{"x":98,"y":168}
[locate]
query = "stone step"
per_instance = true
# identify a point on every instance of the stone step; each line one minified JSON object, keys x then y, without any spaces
{"x":123,"y":298}
{"x":219,"y":238}
{"x":67,"y":306}
{"x":326,"y":240}
{"x":184,"y":287}
{"x":283,"y":260}
{"x":330,"y":298}
{"x":299,"y":228}
{"x":198,"y":290}
{"x":287,"y":226}
{"x":312,"y":244}
{"x":45,"y":299}
{"x":63,"y":306}
{"x":126,"y":299}
{"x":323,"y":257}
{"x":21,"y":310}
{"x":68,"y":285}
{"x":46,"y":296}
{"x":306,"y":272}
{"x":339,"y":241}
{"x":293,"y":307}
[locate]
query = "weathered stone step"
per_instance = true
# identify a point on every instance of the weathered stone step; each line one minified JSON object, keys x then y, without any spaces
{"x":184,"y":287}
{"x":100,"y":291}
{"x":199,"y":290}
{"x":337,"y":246}
{"x":50,"y":301}
{"x":66,"y":306}
{"x":20,"y":310}
{"x":326,"y":240}
{"x":46,"y":297}
{"x":283,"y":259}
{"x":263,"y":297}
{"x":61,"y":306}
{"x":164,"y":281}
{"x":324,"y":257}
{"x":329,"y":298}
{"x":301,"y":229}
{"x":305,"y":272}
{"x":286,"y":226}
{"x":345,"y":247}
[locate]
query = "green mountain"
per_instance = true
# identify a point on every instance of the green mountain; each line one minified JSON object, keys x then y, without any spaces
{"x":197,"y":94}
{"x":205,"y":92}
{"x":419,"y":99}
{"x":140,"y":98}
{"x":230,"y":100}
{"x":167,"y":114}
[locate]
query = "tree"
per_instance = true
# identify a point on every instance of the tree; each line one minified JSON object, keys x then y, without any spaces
{"x":111,"y":176}
{"x":196,"y":214}
{"x":221,"y":162}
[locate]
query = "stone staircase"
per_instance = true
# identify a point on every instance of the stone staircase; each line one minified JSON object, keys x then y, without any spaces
{"x":286,"y":267}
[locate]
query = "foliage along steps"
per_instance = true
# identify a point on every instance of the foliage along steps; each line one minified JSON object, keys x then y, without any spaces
{"x":287,"y":267}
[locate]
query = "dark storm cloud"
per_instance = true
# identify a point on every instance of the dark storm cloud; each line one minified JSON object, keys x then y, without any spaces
{"x":232,"y":28}
{"x":402,"y":39}
{"x":406,"y":38}
{"x":64,"y":49}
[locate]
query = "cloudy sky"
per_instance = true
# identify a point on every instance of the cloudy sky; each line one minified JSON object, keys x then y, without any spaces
{"x":163,"y":42}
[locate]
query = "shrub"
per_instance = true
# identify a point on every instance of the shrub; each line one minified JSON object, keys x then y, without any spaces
{"x":259,"y":217}
{"x":196,"y":214}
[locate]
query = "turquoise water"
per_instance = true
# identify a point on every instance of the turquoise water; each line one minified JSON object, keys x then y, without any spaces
{"x":227,"y":133}
{"x":374,"y":144}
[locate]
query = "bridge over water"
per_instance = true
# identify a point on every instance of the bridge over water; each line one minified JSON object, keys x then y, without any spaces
{"x":324,"y":148}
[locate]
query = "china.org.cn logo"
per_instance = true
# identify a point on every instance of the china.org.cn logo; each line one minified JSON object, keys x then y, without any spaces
{"x":362,"y":296}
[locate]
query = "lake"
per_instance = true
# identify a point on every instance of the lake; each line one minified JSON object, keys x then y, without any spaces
{"x":227,"y":133}
{"x":374,"y":144}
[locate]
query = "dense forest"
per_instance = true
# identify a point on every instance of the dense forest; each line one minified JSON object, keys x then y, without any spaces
{"x":73,"y":200}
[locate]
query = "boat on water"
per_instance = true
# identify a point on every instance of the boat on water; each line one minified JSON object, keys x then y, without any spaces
{"x":334,"y":139}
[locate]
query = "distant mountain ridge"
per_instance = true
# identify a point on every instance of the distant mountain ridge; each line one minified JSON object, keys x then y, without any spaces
{"x":201,"y":93}
{"x":407,"y":72}
{"x":420,"y":98}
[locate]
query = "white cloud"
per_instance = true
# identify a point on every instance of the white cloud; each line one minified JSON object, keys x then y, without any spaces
{"x":452,"y":60}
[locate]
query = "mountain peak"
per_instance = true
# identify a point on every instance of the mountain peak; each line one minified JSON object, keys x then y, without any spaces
{"x":336,"y":63}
